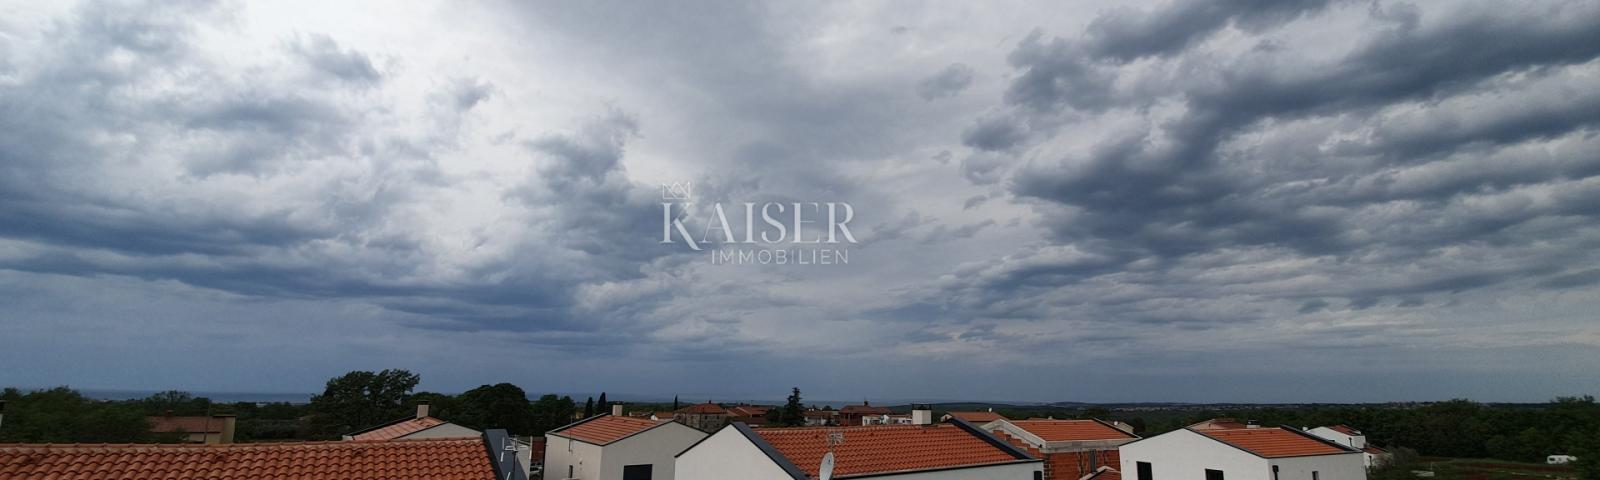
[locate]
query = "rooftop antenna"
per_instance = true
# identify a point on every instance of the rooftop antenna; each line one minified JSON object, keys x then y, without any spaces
{"x":825,"y":471}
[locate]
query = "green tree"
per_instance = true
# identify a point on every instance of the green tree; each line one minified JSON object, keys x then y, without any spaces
{"x":602,"y":406}
{"x":362,"y":399}
{"x":588,"y":407}
{"x":177,"y":403}
{"x":550,"y":412}
{"x":675,"y":406}
{"x":794,"y":414}
{"x":501,"y":405}
{"x":62,"y":415}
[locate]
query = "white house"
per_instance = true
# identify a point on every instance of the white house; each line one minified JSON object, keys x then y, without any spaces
{"x":607,"y":447}
{"x":412,"y":428}
{"x":1245,"y":453}
{"x":1350,"y":437}
{"x":923,"y":451}
{"x":1071,"y":449}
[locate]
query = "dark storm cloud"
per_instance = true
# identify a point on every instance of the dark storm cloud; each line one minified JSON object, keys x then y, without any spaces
{"x":947,"y":83}
{"x":323,"y":53}
{"x":1460,"y":129}
{"x":320,"y":237}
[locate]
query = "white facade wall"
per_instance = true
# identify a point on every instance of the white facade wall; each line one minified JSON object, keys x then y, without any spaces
{"x":1185,"y":455}
{"x":655,"y":446}
{"x":1348,"y":466}
{"x":561,"y":452}
{"x":444,"y":430}
{"x":1353,"y":441}
{"x":727,"y":455}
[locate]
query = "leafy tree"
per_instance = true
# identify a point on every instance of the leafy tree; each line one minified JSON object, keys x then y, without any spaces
{"x":501,"y":405}
{"x":675,"y":406}
{"x":588,"y":407}
{"x":551,"y":412}
{"x":362,"y":399}
{"x":442,"y":406}
{"x":62,"y":415}
{"x":602,"y":406}
{"x":794,"y":414}
{"x":177,"y":403}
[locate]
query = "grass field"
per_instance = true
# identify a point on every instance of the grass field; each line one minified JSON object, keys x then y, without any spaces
{"x":1478,"y":469}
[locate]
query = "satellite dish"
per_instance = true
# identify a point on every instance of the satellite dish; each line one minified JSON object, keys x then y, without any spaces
{"x":825,"y":472}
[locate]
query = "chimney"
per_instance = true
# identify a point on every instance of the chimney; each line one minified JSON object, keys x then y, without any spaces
{"x":422,"y":409}
{"x":921,"y":415}
{"x":616,"y":409}
{"x":229,"y":424}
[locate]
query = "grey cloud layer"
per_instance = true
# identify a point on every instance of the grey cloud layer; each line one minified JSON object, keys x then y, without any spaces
{"x":1121,"y":204}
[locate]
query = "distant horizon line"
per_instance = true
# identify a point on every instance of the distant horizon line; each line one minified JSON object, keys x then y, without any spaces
{"x":228,"y":396}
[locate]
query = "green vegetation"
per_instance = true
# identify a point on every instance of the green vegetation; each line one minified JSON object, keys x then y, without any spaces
{"x":1473,"y":469}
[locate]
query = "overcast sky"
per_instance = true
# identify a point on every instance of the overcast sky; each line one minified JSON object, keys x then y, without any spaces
{"x":1241,"y":200}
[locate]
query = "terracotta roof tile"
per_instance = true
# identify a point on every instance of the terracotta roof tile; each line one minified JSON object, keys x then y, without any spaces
{"x":881,"y":449}
{"x":442,"y":459}
{"x":704,"y":408}
{"x":1273,"y":442}
{"x":606,"y":429}
{"x":1071,"y":430}
{"x":166,"y":424}
{"x":978,"y":418}
{"x":864,"y":409}
{"x":399,"y":429}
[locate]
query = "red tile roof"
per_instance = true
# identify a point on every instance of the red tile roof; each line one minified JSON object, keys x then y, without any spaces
{"x":1345,"y":429}
{"x":1218,"y":424}
{"x":604,"y":429}
{"x":978,"y":418}
{"x":749,"y":410}
{"x":1375,"y":450}
{"x":883,"y":449}
{"x":438,"y":459}
{"x":707,"y":408}
{"x":399,"y":429}
{"x":664,"y":415}
{"x":1071,"y":430}
{"x":166,"y":424}
{"x":1274,"y":442}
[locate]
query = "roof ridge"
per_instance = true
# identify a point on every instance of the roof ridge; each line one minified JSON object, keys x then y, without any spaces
{"x":225,"y":446}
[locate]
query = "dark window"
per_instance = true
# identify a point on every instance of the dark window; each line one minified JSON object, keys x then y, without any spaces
{"x":569,"y":471}
{"x":1314,"y":475}
{"x":636,"y":472}
{"x":1274,"y":472}
{"x":1038,"y":475}
{"x":1144,"y":471}
{"x":1213,"y":474}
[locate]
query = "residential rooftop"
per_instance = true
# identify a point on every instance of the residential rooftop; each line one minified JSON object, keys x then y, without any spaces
{"x":436,"y":459}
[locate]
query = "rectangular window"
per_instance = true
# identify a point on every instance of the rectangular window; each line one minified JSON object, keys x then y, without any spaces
{"x":1274,"y":472}
{"x":637,"y":472}
{"x":1144,"y":471}
{"x":1314,"y":475}
{"x":1213,"y":474}
{"x":1038,"y":475}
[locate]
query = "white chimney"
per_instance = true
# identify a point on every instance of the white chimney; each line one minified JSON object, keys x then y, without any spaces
{"x":921,"y":415}
{"x":616,"y":409}
{"x":422,"y":409}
